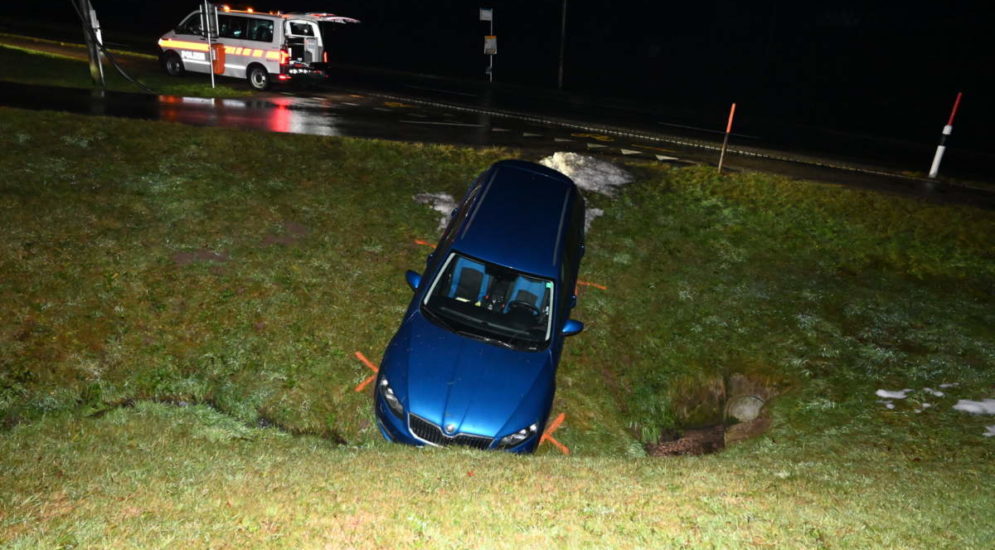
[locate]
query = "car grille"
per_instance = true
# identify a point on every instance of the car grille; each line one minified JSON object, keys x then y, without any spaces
{"x":432,"y":433}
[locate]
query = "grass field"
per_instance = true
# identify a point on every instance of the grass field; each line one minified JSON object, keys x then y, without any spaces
{"x":176,"y":354}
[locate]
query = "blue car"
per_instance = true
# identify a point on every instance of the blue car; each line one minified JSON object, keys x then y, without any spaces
{"x":474,"y":360}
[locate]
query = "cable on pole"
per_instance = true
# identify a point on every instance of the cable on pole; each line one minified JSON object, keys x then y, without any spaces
{"x":88,"y":28}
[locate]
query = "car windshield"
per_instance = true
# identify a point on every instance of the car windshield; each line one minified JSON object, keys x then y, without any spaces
{"x":491,"y":303}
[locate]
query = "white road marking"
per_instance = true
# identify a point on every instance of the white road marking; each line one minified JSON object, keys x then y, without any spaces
{"x":529,"y":134}
{"x":665,"y":157}
{"x":561,"y":140}
{"x":383,"y":109}
{"x":349,"y":103}
{"x":629,"y":152}
{"x":434,"y":123}
{"x":595,"y":146}
{"x":706,"y":130}
{"x":500,"y":129}
{"x":440,"y":90}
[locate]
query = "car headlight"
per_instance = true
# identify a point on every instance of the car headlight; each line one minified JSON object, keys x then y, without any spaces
{"x":393,"y":403}
{"x":518,"y":437}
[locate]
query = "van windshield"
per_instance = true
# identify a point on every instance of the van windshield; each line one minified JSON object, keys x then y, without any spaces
{"x":492,"y":303}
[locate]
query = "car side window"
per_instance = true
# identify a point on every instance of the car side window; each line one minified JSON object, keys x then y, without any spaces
{"x":463,"y":208}
{"x":301,"y":29}
{"x":231,"y":26}
{"x":572,"y":251}
{"x":260,"y":30}
{"x":190,"y":25}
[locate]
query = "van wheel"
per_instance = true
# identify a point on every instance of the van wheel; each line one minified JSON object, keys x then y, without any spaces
{"x":258,"y":77}
{"x":172,"y":64}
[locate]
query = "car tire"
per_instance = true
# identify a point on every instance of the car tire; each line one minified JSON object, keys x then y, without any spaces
{"x":172,"y":64}
{"x":258,"y":77}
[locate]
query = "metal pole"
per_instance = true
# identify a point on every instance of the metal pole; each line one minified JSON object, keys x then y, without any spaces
{"x":725,"y":141}
{"x":563,"y":42}
{"x":206,"y":18}
{"x":90,"y":33}
{"x":490,"y":66}
{"x":934,"y":169}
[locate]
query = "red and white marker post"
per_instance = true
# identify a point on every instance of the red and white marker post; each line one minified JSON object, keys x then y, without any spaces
{"x":725,"y":140}
{"x":947,"y":130}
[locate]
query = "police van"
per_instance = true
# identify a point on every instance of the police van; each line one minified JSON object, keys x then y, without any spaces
{"x":261,"y":47}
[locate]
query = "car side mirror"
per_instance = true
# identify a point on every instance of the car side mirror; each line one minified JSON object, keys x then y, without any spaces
{"x":572,"y":327}
{"x":413,"y":279}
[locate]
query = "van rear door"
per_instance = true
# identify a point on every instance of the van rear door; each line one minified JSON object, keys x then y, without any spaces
{"x":304,"y":41}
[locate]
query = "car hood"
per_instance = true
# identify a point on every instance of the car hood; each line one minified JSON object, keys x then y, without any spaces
{"x":470,"y":385}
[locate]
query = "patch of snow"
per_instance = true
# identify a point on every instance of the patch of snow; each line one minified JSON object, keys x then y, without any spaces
{"x":949,"y":385}
{"x":923,"y":407}
{"x":934,"y":393}
{"x":443,"y":203}
{"x":989,"y":431}
{"x":589,"y":216}
{"x":888,"y":404}
{"x":892,"y":394}
{"x":589,"y":173}
{"x":976,"y":407}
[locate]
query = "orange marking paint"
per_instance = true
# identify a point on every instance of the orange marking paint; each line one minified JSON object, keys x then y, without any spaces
{"x":424,"y":243}
{"x":595,"y":285}
{"x":368,"y":363}
{"x":548,"y":434}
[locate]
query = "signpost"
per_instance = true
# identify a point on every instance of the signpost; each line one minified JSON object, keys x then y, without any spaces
{"x":209,"y":17}
{"x":490,"y":42}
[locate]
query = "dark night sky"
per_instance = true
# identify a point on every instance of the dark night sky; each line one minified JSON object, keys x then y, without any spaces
{"x":887,"y":68}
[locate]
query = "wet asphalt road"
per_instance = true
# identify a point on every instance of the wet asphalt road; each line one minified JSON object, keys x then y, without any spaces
{"x":428,"y":116}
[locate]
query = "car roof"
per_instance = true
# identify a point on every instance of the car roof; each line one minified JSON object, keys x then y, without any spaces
{"x":519,"y":218}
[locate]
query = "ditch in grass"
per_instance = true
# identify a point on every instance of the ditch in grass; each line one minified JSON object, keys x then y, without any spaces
{"x":163,"y":267}
{"x":145,"y":262}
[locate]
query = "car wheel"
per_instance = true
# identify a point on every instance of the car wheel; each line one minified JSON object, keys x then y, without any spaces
{"x":173,"y":64}
{"x":258,"y":77}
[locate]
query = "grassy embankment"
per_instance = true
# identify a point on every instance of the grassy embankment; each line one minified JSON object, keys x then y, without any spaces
{"x":144,"y":261}
{"x":44,"y":62}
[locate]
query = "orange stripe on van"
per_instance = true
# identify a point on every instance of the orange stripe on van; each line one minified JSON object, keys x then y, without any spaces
{"x":183,"y":45}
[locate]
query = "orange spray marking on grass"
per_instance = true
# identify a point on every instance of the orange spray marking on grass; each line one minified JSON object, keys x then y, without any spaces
{"x":424,"y":243}
{"x":595,"y":285}
{"x":548,"y":434}
{"x":368,"y":363}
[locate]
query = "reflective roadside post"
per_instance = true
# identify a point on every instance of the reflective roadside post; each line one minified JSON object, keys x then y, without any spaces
{"x":934,"y":169}
{"x":725,"y":140}
{"x":490,"y":42}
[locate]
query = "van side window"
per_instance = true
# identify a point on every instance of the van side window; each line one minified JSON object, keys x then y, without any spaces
{"x":231,"y":27}
{"x":260,"y":30}
{"x":190,"y":25}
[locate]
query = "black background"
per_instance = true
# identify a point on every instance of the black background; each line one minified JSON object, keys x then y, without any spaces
{"x":887,"y":68}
